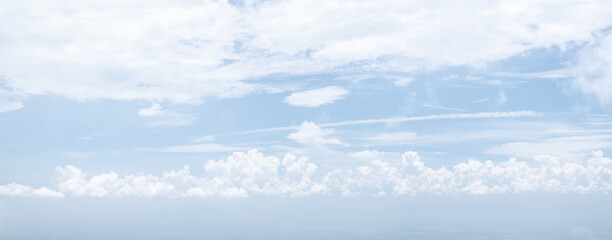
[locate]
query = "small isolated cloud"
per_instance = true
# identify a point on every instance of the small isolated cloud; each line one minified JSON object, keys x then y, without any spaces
{"x":316,"y":97}
{"x":153,"y":110}
{"x":310,"y":134}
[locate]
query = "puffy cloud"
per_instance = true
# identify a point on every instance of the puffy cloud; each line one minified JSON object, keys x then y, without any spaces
{"x":475,"y":177}
{"x":240,"y":175}
{"x":310,"y":134}
{"x":251,"y":173}
{"x":316,"y":97}
{"x":183,"y":51}
{"x":14,"y":189}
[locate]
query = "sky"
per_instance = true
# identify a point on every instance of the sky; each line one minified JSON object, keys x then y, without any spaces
{"x":282,"y":119}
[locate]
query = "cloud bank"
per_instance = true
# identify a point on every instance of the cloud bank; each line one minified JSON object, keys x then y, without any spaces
{"x":251,"y":173}
{"x":140,"y":50}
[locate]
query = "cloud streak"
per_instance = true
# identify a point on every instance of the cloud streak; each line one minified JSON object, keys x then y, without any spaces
{"x":514,"y":114}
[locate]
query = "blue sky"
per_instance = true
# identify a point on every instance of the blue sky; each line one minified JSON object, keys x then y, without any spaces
{"x":235,"y":104}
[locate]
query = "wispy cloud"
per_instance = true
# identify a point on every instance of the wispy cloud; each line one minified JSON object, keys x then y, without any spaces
{"x":514,"y":114}
{"x":195,"y":148}
{"x":443,"y":108}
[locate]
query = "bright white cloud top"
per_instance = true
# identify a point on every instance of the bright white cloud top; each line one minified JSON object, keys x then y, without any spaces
{"x":251,"y":114}
{"x":251,"y":173}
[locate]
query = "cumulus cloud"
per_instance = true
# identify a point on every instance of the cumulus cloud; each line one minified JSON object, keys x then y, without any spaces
{"x":14,"y":189}
{"x":316,"y":97}
{"x":475,"y":177}
{"x":140,"y":50}
{"x":240,"y":175}
{"x":309,"y":133}
{"x":251,"y":173}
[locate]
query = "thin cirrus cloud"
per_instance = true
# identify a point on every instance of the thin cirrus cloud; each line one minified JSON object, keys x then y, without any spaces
{"x":316,"y":97}
{"x":251,"y":173}
{"x":100,"y":50}
{"x":512,"y":114}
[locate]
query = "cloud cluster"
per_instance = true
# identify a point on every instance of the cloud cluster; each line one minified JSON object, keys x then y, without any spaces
{"x":184,"y":51}
{"x":240,"y":175}
{"x":252,"y":173}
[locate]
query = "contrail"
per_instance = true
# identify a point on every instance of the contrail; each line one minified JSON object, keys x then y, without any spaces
{"x":513,"y":114}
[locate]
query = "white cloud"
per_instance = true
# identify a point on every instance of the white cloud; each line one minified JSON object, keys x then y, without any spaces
{"x":593,"y":70}
{"x":183,"y":51}
{"x":207,"y":138}
{"x":593,"y":175}
{"x":240,"y":175}
{"x":154,"y":109}
{"x":444,"y":108}
{"x":501,"y":97}
{"x":316,"y":97}
{"x":14,"y":189}
{"x":252,"y":173}
{"x":567,"y":148}
{"x":515,"y":114}
{"x":10,"y":99}
{"x":158,"y":116}
{"x":310,"y":134}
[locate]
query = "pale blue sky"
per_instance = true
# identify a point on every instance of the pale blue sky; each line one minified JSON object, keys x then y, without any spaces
{"x":313,"y":104}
